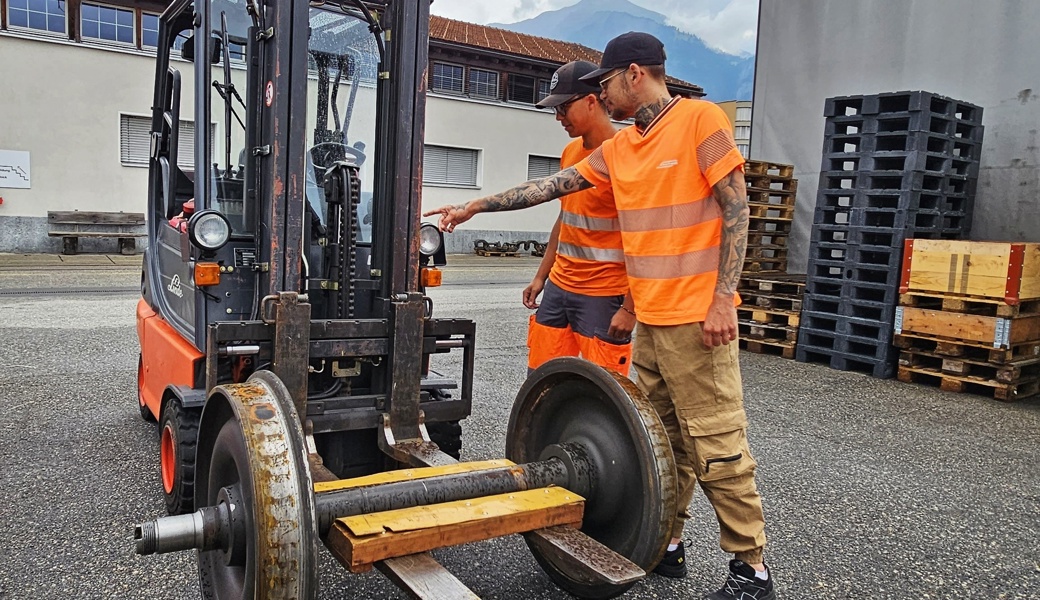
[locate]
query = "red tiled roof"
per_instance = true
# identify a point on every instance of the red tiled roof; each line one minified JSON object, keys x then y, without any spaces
{"x":520,"y":44}
{"x":490,"y":38}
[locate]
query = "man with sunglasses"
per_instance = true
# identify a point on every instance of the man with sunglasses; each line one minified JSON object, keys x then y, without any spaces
{"x":584,"y":309}
{"x":678,"y":184}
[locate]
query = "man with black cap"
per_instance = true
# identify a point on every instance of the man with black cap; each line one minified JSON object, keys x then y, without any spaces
{"x":583,"y":310}
{"x":678,"y":184}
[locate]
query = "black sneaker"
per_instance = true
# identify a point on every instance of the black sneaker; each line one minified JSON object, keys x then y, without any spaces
{"x":674,"y":563}
{"x":743,"y":585}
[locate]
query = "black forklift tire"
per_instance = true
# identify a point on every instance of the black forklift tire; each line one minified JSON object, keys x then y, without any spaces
{"x":448,"y":437}
{"x":446,"y":434}
{"x":178,"y":438}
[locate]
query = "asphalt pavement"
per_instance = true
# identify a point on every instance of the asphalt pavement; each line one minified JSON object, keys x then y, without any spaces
{"x":873,"y":489}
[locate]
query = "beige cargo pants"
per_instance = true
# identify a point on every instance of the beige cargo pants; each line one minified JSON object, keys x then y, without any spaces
{"x":697,"y":393}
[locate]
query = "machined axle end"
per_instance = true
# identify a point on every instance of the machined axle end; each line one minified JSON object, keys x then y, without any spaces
{"x":206,"y":529}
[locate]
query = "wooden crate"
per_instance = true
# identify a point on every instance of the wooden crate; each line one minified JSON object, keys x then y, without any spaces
{"x":996,"y":331}
{"x":1001,"y":270}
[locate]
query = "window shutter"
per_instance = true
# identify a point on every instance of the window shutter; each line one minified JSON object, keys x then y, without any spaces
{"x":134,"y":143}
{"x":541,"y":166}
{"x":450,"y":166}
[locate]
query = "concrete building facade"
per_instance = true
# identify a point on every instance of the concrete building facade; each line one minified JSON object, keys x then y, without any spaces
{"x":77,"y":86}
{"x":739,"y":113}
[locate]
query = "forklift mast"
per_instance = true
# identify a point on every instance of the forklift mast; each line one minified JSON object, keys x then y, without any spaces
{"x":318,"y":277}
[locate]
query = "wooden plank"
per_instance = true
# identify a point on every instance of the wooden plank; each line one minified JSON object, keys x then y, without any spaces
{"x":969,"y":327}
{"x":1007,"y":392}
{"x":785,"y":349}
{"x":410,"y":474}
{"x":969,"y":304}
{"x":957,"y":348}
{"x":583,"y":558}
{"x":424,"y":578}
{"x":96,"y":234}
{"x":359,"y":541}
{"x":94,"y":218}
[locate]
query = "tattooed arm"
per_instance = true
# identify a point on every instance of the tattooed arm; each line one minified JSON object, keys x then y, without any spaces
{"x":720,"y":326}
{"x":525,"y":195}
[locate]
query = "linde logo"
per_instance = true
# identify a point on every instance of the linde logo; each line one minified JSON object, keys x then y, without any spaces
{"x":175,"y":286}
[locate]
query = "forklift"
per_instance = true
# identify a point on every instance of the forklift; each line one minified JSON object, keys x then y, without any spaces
{"x":286,"y":335}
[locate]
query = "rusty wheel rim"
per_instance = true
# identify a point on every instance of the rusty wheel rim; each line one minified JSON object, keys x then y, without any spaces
{"x":251,"y":442}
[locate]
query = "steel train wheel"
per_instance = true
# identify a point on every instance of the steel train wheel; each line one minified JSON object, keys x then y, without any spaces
{"x":632,"y":501}
{"x":252,"y":457}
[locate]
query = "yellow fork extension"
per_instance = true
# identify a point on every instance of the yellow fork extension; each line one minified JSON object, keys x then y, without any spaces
{"x":409,"y":474}
{"x":361,"y":540}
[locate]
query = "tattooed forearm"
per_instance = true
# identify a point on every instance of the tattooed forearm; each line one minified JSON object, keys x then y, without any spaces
{"x":731,"y":194}
{"x":535,"y":192}
{"x":645,"y":114}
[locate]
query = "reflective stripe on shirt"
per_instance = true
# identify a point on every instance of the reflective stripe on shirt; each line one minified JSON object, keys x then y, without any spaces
{"x":598,"y":254}
{"x":670,"y":267}
{"x":589,"y":223}
{"x":670,"y":217}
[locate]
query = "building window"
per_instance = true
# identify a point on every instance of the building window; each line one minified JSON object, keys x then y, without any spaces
{"x":149,"y":30}
{"x":45,"y":15}
{"x":447,"y":78}
{"x":108,"y":24}
{"x":744,"y":113}
{"x":483,"y":83}
{"x":742,"y":132}
{"x":450,"y":166}
{"x":743,"y":149}
{"x":521,"y":88}
{"x":543,"y":89}
{"x":541,"y":166}
{"x":135,"y":142}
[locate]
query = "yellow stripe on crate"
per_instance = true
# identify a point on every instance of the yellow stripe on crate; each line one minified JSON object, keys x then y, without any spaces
{"x":461,"y":511}
{"x":409,"y":475}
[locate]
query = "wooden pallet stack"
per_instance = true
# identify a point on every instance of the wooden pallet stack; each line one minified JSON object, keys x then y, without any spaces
{"x":771,"y":191}
{"x":969,"y":317}
{"x":772,"y":299}
{"x":769,"y":315}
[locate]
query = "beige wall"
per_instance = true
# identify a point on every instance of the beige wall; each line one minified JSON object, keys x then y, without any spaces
{"x":60,"y":101}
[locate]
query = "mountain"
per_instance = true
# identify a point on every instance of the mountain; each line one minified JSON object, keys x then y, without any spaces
{"x":594,"y":22}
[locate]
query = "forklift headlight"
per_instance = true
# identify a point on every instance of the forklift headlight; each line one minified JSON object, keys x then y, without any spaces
{"x":209,"y":230}
{"x":430,"y":239}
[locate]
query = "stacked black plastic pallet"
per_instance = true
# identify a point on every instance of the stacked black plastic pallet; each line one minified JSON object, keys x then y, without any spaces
{"x":895,"y":166}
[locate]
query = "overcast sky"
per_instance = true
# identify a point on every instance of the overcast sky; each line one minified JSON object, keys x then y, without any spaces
{"x":728,"y":25}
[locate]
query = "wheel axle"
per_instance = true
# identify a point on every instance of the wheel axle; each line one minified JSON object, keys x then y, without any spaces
{"x":215,"y":527}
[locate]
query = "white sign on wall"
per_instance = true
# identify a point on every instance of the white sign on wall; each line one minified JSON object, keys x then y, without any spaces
{"x":14,"y":169}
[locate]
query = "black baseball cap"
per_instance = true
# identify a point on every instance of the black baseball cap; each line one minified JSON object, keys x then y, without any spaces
{"x":626,"y":49}
{"x":567,"y":82}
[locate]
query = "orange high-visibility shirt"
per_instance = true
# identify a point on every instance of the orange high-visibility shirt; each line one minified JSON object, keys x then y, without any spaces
{"x":671,"y":225}
{"x":589,"y":259}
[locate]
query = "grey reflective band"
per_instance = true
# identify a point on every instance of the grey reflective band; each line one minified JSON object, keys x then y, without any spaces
{"x":589,"y":223}
{"x":596,"y":254}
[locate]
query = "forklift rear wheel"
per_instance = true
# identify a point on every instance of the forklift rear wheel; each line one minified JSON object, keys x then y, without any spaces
{"x":632,"y":499}
{"x":252,"y":457}
{"x":178,"y":435}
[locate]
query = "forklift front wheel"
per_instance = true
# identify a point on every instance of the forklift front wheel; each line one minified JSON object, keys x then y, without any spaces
{"x":179,"y":432}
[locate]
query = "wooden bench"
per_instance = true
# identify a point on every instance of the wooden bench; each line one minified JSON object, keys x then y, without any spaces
{"x":72,"y":225}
